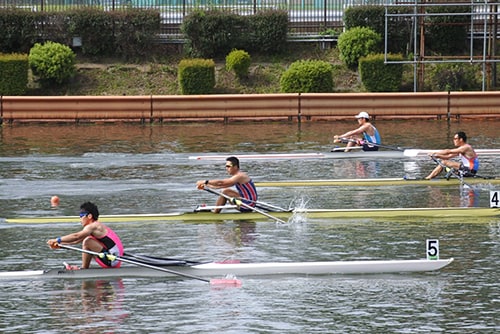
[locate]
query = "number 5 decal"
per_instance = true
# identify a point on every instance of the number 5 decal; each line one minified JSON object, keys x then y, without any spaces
{"x":495,"y":199}
{"x":432,"y":249}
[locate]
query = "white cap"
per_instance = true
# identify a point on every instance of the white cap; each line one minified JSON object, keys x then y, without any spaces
{"x":363,"y":114}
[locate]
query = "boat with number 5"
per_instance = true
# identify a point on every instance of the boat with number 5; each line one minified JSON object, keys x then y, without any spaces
{"x":243,"y":269}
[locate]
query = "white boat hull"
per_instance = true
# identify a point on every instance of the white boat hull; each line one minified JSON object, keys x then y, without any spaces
{"x":408,"y":153}
{"x":213,"y":269}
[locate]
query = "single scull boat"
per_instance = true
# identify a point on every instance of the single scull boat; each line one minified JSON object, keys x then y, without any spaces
{"x":245,"y":269}
{"x":408,"y":153}
{"x":209,"y":217}
{"x":376,"y":182}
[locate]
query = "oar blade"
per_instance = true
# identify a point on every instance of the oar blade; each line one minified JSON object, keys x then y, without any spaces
{"x":225,"y":282}
{"x":412,"y":153}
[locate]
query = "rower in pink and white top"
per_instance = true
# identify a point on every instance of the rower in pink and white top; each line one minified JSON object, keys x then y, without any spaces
{"x":95,"y":237}
{"x":245,"y":188}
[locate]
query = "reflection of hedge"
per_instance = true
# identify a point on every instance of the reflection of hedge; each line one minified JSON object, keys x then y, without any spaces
{"x":128,"y":33}
{"x":215,"y":33}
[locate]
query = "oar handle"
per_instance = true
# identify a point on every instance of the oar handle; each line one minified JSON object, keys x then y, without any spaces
{"x":241,"y":203}
{"x":363,"y":141}
{"x":454,"y":172}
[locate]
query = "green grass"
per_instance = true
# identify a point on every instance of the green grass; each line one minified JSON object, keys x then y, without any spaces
{"x":158,"y":75}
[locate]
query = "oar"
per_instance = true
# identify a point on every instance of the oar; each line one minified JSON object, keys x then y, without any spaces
{"x":239,"y":202}
{"x":395,"y":148}
{"x":111,"y":257}
{"x":268,"y":206}
{"x":451,"y":172}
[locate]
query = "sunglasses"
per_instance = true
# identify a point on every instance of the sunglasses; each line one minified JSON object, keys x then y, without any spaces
{"x":83,"y":214}
{"x":229,"y":166}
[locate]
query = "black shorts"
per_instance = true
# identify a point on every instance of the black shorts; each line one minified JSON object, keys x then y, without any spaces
{"x":466,"y":171}
{"x":370,"y":148}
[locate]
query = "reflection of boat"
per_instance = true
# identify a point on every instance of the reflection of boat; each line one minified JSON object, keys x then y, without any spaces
{"x":375,"y":182}
{"x":399,"y":213}
{"x":244,"y":269}
{"x":408,"y":153}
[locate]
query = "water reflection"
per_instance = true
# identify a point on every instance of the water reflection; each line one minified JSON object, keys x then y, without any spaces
{"x":22,"y":139}
{"x":96,"y":305}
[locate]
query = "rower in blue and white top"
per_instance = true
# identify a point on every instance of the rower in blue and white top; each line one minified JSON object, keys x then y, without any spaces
{"x":245,"y":187}
{"x":364,"y":136}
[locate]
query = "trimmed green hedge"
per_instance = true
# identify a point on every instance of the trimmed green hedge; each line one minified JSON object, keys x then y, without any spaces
{"x":238,"y":61}
{"x":14,"y":73}
{"x":379,"y":77}
{"x":214,"y":33}
{"x":196,"y":76}
{"x":127,"y":34}
{"x":308,"y":76}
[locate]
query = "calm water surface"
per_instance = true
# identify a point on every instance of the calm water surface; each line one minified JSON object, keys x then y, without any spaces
{"x":143,"y":169}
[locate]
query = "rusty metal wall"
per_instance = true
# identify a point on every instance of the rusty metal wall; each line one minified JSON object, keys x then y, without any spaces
{"x":294,"y":107}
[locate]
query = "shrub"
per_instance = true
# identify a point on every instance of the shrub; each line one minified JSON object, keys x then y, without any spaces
{"x":196,"y":76}
{"x":135,"y":31}
{"x":267,"y":33}
{"x":399,"y":28}
{"x":18,"y":30}
{"x":379,"y":77}
{"x":453,"y":77}
{"x":14,"y":74}
{"x":95,"y":28}
{"x":238,"y":61}
{"x":447,"y":34}
{"x":356,"y":43}
{"x":52,"y":62}
{"x":307,"y":76}
{"x":214,"y":32}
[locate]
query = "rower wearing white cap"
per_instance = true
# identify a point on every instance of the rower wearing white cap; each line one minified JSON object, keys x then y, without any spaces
{"x":366,"y":135}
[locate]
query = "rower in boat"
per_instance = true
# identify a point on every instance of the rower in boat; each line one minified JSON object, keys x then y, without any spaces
{"x":466,"y":167}
{"x":245,"y":188}
{"x":95,"y":237}
{"x":366,"y":135}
